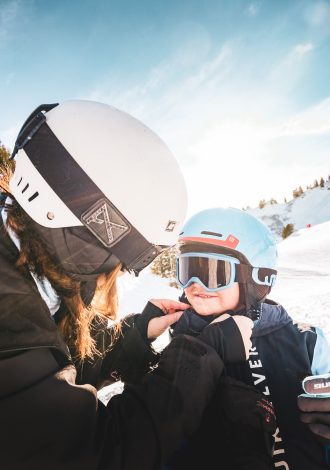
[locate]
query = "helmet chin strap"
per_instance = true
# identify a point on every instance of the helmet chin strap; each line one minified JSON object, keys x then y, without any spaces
{"x":250,"y":296}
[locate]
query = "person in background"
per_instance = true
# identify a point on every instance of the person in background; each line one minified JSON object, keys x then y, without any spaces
{"x":85,"y":198}
{"x":227,"y":265}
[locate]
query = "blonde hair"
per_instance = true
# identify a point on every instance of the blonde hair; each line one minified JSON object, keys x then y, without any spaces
{"x":77,"y":326}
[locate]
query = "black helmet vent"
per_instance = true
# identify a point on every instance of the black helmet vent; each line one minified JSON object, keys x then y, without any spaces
{"x":26,"y":187}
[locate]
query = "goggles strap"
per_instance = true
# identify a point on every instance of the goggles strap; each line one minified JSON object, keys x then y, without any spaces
{"x":244,"y":273}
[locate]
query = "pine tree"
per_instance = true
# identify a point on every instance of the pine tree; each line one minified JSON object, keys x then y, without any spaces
{"x":316,"y":184}
{"x":285,"y":200}
{"x":322,"y":182}
{"x":165,"y":264}
{"x":295,"y":193}
{"x":262,"y":203}
{"x":4,"y":155}
{"x":287,"y":230}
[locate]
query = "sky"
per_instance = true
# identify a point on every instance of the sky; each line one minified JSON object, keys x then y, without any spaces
{"x":239,"y":90}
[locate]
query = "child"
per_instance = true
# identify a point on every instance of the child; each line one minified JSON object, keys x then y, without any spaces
{"x":226,"y":264}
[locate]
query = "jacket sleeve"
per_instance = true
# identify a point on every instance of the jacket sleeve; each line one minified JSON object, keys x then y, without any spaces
{"x":130,"y":358}
{"x":51,"y":422}
{"x":321,"y":356}
{"x":171,"y":398}
{"x":127,"y":358}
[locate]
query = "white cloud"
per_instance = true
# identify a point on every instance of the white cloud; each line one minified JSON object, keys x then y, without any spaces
{"x":301,"y":49}
{"x":317,"y":14}
{"x":313,"y":121}
{"x":209,"y":68}
{"x":288,"y":72}
{"x":172,"y":87}
{"x":253,"y":9}
{"x":235,"y":144}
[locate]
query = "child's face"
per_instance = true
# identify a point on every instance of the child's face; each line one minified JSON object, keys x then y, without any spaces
{"x":211,"y":303}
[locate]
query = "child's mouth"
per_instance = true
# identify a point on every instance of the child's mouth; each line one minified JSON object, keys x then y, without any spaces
{"x":204,"y":296}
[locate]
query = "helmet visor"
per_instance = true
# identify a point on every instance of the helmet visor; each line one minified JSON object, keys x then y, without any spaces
{"x":212,"y":271}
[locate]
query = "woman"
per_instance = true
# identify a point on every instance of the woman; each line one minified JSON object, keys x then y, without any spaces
{"x":87,"y":198}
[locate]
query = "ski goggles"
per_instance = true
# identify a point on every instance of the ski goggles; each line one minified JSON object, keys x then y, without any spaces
{"x":213,"y":272}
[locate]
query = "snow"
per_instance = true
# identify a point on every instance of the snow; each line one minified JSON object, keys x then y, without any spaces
{"x":302,"y":287}
{"x":312,"y":207}
{"x":303,"y":284}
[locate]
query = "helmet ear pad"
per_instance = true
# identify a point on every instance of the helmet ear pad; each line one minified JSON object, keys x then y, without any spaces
{"x":77,"y":251}
{"x":251,"y":293}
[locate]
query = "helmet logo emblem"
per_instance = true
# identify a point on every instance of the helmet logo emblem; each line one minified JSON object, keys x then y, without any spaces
{"x":268,"y":281}
{"x":170,"y":226}
{"x":105,"y":222}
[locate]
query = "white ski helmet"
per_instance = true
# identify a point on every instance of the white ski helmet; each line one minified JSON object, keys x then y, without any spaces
{"x":87,"y":164}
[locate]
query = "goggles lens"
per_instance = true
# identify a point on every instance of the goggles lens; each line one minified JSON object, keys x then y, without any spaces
{"x":214,"y":272}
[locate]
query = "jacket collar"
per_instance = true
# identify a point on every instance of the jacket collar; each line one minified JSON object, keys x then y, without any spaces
{"x":272,"y":317}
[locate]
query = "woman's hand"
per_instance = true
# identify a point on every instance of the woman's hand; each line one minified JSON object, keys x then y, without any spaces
{"x":316,"y":413}
{"x":172,"y":311}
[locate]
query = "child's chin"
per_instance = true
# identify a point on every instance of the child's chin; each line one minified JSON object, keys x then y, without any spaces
{"x":204,"y":311}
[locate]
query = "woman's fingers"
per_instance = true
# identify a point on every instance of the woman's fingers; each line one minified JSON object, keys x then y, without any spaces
{"x":169,"y":305}
{"x":158,"y":325}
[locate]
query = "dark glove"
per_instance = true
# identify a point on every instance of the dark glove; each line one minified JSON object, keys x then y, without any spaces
{"x":142,"y":320}
{"x":226,"y":339}
{"x":316,"y":413}
{"x":131,"y":356}
{"x":248,"y":422}
{"x":228,"y":342}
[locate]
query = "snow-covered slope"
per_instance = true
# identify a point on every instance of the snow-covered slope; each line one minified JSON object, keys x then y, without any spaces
{"x":303,"y":284}
{"x":312,"y":207}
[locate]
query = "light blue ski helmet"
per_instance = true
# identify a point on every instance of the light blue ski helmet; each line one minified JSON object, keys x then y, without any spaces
{"x":233,"y":229}
{"x":240,"y":235}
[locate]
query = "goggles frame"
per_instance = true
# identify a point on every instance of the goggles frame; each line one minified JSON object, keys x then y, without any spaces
{"x":195,"y":279}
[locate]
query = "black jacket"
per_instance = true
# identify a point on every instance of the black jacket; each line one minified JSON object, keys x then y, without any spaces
{"x":52,"y":420}
{"x":237,"y":427}
{"x":283,"y":353}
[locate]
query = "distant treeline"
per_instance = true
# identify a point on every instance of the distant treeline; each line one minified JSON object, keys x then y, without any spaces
{"x":297,"y":192}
